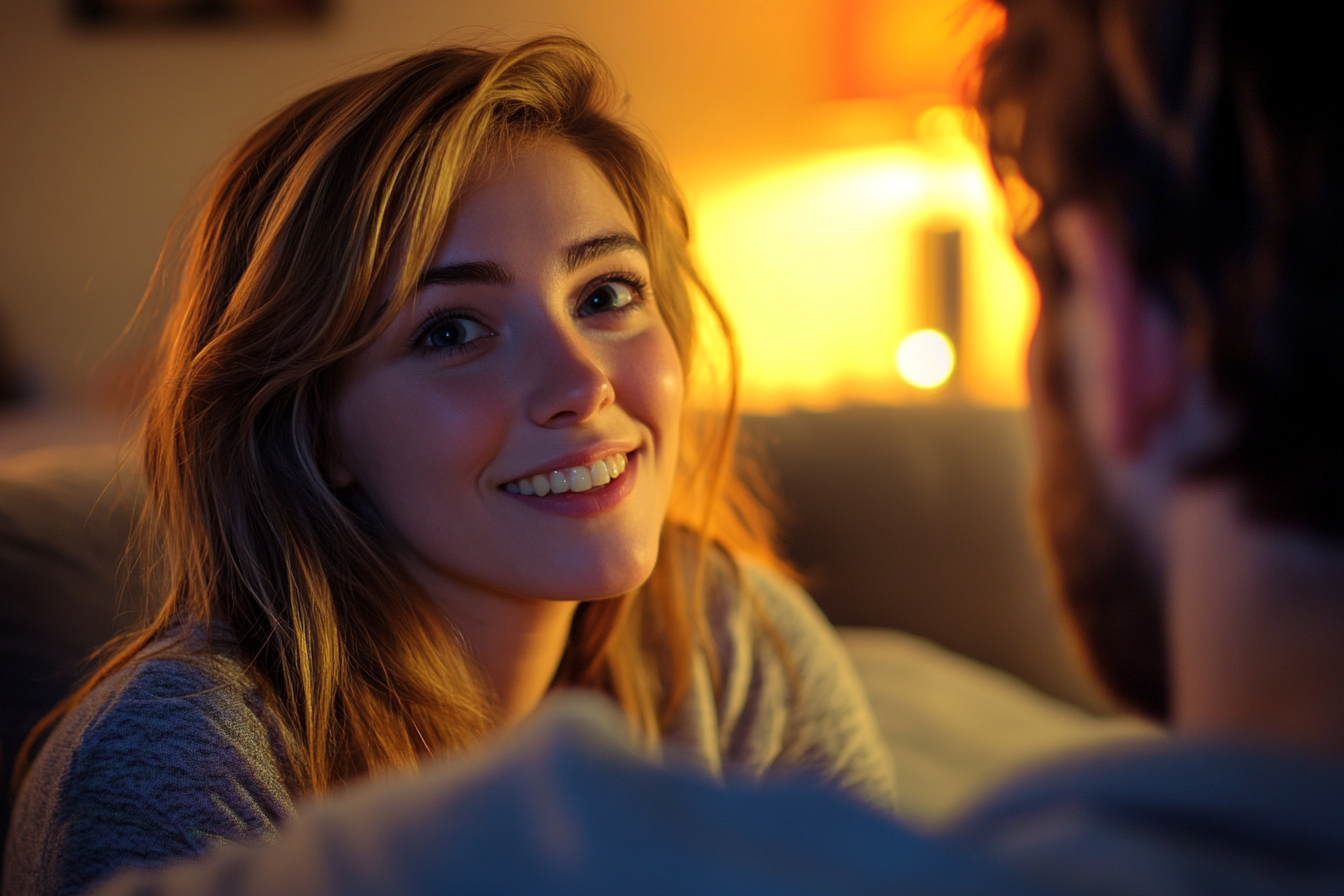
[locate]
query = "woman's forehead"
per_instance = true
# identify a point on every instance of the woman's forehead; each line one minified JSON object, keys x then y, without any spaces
{"x":550,"y":186}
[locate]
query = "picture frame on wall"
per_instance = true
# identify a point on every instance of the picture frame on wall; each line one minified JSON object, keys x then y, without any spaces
{"x":99,"y":14}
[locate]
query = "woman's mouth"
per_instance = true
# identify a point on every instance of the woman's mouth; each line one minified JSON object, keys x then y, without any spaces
{"x":571,"y":479}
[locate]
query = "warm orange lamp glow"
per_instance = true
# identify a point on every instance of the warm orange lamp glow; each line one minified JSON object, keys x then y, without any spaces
{"x":925,"y":359}
{"x":821,"y":270}
{"x":893,"y":48}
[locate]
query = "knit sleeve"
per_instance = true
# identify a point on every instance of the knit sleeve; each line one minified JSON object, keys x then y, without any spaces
{"x":158,"y":763}
{"x":790,"y":700}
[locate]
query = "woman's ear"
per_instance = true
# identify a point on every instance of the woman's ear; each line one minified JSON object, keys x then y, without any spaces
{"x":338,"y":475}
{"x":1125,"y":351}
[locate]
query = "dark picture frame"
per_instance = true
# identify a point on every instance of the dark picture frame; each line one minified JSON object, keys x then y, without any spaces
{"x":99,"y":14}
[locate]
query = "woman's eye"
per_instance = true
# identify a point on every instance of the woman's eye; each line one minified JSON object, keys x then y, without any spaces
{"x":453,"y":332}
{"x":607,"y":297}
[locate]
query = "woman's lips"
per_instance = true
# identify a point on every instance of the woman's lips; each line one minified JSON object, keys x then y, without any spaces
{"x":587,"y":500}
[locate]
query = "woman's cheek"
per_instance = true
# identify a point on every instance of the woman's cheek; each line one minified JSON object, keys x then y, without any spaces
{"x":408,"y":437}
{"x":657,"y":387}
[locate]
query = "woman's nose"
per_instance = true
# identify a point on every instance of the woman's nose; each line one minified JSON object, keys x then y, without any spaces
{"x":570,"y":384}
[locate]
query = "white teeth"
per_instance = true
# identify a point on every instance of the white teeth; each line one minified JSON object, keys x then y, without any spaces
{"x":574,"y":479}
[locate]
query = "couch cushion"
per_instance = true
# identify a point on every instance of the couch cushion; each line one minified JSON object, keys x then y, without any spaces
{"x":66,"y":585}
{"x":956,"y":728}
{"x":916,"y":518}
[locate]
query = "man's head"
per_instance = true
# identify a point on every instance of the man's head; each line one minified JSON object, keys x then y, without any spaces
{"x":1189,"y":159}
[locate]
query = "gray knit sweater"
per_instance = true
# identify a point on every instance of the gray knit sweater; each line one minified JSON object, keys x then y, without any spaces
{"x":177,"y":752}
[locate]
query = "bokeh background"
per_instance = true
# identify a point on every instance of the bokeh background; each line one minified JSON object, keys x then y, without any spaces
{"x":817,"y":141}
{"x":842,"y":207}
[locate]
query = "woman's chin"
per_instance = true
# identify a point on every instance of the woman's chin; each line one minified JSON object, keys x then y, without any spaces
{"x":589,"y":587}
{"x":595,"y":578}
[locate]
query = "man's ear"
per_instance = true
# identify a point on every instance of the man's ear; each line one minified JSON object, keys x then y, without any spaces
{"x":1126,"y":351}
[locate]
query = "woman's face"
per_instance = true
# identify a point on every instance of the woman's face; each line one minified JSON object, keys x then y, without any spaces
{"x":531,"y":368}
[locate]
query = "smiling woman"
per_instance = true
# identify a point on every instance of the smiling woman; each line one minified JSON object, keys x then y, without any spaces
{"x":533,"y":352}
{"x":419,"y":453}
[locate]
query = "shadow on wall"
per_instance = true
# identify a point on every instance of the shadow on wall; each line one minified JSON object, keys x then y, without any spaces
{"x":915,"y":518}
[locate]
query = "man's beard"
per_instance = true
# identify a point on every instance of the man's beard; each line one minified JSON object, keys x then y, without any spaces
{"x":1111,"y":588}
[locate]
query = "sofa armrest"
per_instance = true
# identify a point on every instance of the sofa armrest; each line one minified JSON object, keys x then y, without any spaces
{"x":957,"y":727}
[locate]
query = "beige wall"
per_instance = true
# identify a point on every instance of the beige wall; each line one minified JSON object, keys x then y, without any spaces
{"x":102,"y":135}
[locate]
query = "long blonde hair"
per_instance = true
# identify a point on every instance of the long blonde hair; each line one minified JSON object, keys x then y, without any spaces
{"x":347,"y":190}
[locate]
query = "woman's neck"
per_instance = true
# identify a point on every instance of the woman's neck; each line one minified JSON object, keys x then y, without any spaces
{"x":517,"y":642}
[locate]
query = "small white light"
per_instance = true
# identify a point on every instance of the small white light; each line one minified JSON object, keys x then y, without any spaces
{"x":925,"y":359}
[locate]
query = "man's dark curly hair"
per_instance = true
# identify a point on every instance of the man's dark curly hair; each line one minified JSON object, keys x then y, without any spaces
{"x":1211,"y":134}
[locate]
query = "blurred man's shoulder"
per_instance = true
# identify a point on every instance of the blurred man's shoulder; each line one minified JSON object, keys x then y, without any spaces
{"x":1181,"y":815}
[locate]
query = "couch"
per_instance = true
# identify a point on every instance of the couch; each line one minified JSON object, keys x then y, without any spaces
{"x":909,"y":523}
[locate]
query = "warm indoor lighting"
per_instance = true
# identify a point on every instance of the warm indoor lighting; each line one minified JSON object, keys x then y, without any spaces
{"x":925,"y":359}
{"x":823,"y":266}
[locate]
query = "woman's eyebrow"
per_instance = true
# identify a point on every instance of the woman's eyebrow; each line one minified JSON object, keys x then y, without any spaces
{"x":466,"y":272}
{"x":493,"y":273}
{"x":606,"y":244}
